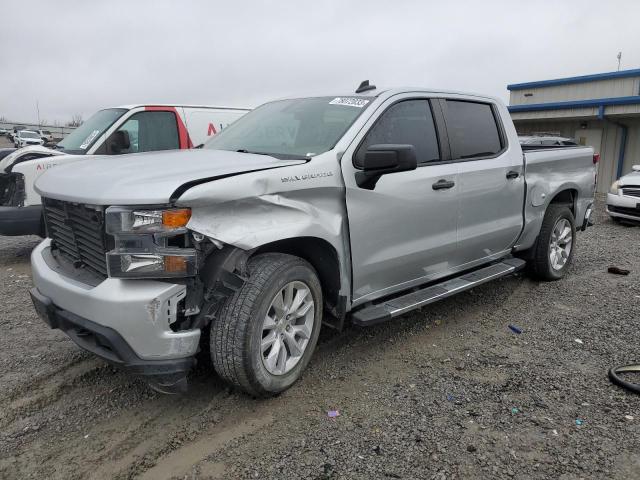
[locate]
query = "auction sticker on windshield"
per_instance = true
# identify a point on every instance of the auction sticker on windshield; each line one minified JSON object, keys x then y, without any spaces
{"x":349,"y":101}
{"x":89,"y":139}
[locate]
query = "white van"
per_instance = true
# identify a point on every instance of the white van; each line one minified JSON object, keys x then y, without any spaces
{"x":112,"y":131}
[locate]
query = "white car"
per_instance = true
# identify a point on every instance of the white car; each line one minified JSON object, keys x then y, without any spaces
{"x":623,"y":199}
{"x":45,"y":135}
{"x":25,"y":138}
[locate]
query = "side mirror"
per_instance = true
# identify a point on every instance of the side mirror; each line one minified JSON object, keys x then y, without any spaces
{"x":383,"y":159}
{"x":636,"y":168}
{"x":118,"y":141}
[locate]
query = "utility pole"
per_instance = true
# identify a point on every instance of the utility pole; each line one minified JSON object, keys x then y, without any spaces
{"x":619,"y":59}
{"x":38,"y":110}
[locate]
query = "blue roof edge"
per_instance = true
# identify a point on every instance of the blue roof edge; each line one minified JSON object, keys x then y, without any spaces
{"x":595,"y":102}
{"x":569,"y":80}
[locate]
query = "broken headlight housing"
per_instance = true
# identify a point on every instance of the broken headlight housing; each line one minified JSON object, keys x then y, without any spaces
{"x":150,"y":243}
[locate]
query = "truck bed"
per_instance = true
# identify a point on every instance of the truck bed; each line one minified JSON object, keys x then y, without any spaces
{"x":549,"y":169}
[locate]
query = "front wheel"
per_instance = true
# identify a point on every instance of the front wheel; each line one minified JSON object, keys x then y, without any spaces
{"x":266,"y":332}
{"x":554,"y":248}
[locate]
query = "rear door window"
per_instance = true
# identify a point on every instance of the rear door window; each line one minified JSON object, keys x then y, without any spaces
{"x":408,"y":122}
{"x":472,"y":128}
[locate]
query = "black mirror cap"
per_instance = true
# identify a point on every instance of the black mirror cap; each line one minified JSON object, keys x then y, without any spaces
{"x":390,"y":156}
{"x":383,"y":159}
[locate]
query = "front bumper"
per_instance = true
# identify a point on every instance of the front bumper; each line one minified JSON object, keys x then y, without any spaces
{"x":21,"y":220}
{"x":623,"y":206}
{"x":126,"y":322}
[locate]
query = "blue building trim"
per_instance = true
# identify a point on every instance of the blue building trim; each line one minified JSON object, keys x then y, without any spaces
{"x":595,"y":102}
{"x":569,"y":80}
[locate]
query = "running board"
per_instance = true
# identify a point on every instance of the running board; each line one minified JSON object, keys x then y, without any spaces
{"x":394,"y":307}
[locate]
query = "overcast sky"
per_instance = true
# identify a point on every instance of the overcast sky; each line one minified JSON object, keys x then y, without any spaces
{"x":77,"y":56}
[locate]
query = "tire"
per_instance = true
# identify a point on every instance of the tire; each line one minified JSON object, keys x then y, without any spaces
{"x":237,"y":332}
{"x":542,"y":263}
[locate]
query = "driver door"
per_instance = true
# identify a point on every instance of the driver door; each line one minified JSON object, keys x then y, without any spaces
{"x":403,"y":232}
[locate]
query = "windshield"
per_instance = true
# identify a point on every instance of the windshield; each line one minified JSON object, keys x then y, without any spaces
{"x":25,"y":134}
{"x":81,"y":139}
{"x":298,"y":128}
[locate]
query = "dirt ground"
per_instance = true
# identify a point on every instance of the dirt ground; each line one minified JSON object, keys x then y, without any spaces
{"x":447,"y":392}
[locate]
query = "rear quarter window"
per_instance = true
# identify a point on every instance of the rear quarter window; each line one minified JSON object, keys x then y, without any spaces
{"x":473,"y":129}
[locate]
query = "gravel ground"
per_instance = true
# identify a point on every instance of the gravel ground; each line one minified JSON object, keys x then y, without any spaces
{"x":447,"y":392}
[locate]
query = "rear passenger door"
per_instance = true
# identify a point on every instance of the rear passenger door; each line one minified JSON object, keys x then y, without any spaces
{"x":403,"y":232}
{"x":491,"y":180}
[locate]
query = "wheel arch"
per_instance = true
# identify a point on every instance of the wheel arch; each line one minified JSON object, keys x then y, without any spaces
{"x":567,"y":196}
{"x":324,"y":258}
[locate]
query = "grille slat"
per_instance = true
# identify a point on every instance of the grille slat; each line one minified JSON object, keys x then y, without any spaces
{"x":81,"y":232}
{"x":77,"y":231}
{"x":632,"y":192}
{"x":65,"y":235}
{"x":66,"y":243}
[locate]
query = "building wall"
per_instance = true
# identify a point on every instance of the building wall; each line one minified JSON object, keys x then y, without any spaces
{"x":632,"y":153}
{"x":599,"y":126}
{"x":620,"y":87}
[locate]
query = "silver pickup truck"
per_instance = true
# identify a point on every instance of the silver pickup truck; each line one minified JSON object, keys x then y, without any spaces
{"x":306,"y":211}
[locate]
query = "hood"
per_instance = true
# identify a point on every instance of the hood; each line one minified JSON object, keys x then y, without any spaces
{"x":7,"y":162}
{"x":632,"y":178}
{"x":146,"y":178}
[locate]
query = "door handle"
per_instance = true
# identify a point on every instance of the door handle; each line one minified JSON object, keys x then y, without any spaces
{"x":443,"y":184}
{"x":511,"y":174}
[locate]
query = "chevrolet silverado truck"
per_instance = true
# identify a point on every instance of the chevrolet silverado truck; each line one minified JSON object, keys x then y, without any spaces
{"x":112,"y":131}
{"x":306,"y":211}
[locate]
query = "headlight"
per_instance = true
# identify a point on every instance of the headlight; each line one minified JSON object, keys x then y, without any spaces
{"x":163,"y":263}
{"x":615,"y":186}
{"x":145,"y":243}
{"x":127,"y":220}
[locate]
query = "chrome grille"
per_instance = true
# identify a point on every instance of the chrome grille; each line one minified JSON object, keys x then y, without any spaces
{"x":77,"y":232}
{"x":631,"y":192}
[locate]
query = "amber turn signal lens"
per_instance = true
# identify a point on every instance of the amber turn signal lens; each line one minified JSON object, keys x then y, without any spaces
{"x":176,"y":218}
{"x":175,"y":264}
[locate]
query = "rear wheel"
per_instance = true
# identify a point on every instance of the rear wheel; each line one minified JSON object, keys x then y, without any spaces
{"x":554,"y":248}
{"x":266,"y":332}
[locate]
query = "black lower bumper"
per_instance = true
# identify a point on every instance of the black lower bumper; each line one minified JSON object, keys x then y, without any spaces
{"x":167,"y":376}
{"x":632,"y":212}
{"x":21,"y":221}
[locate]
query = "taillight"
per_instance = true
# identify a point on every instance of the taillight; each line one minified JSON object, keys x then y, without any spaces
{"x":596,"y":158}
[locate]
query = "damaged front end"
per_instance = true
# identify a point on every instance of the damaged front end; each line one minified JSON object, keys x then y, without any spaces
{"x":12,"y":189}
{"x":15,"y":217}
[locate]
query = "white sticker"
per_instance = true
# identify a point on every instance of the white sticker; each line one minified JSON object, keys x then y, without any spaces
{"x":89,"y":139}
{"x":349,"y":101}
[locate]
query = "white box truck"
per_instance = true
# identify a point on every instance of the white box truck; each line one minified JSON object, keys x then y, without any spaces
{"x":112,"y":131}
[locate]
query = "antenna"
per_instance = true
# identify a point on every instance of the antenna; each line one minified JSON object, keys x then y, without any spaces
{"x":619,"y":59}
{"x":365,"y":87}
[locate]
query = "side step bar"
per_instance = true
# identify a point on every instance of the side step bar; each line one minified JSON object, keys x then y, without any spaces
{"x":394,"y":307}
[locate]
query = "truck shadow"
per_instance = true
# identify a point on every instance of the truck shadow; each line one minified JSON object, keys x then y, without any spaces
{"x":363,"y":345}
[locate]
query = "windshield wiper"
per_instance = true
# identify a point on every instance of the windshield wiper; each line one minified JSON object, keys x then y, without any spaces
{"x":242,"y":150}
{"x":279,"y":156}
